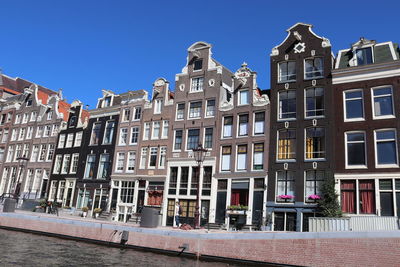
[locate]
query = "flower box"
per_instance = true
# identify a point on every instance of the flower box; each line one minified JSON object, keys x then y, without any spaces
{"x":284,"y":197}
{"x":236,"y":212}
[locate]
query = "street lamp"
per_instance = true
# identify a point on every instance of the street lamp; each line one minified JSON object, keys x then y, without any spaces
{"x":199,"y":155}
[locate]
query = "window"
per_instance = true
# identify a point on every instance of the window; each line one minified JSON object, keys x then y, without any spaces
{"x":138,"y":113}
{"x":146,"y":134}
{"x":184,"y":180}
{"x":180,"y":111}
{"x":55,"y":130}
{"x":49,"y":115}
{"x":18,"y":119}
{"x":285,"y":186}
{"x":156,"y":130}
{"x":193,"y":138}
{"x":153,"y":157}
{"x":243,"y":97}
{"x":287,"y":71}
{"x":39,"y":131}
{"x":123,"y":136}
{"x":210,"y":109}
{"x":107,"y":101}
{"x":21,"y":134}
{"x":258,"y":156}
{"x":165,"y":129}
{"x":173,"y":180}
{"x":178,"y":140}
{"x":386,"y":148}
{"x":90,"y":165}
{"x":3,"y":119}
{"x":355,"y":146}
{"x":195,"y":110}
{"x":364,"y":56}
{"x":108,"y":135}
{"x":134,"y":135}
{"x":314,"y":68}
{"x":14,"y":135}
{"x":25,"y":118}
{"x":241,"y":159}
{"x":287,"y":105}
{"x":354,"y":105}
{"x":29,"y":132}
{"x":35,"y":153}
{"x":42,"y":154}
{"x":127,"y":191}
{"x":65,"y":164}
{"x":314,"y":181}
{"x":72,"y":121}
{"x":365,"y":196}
{"x":18,"y":152}
{"x":104,"y":166}
{"x":57,"y":164}
{"x":10,"y":153}
{"x":9,"y":117}
{"x":243,"y":124}
{"x":383,"y":102}
{"x":226,"y":158}
{"x":33,"y":116}
{"x":131,"y":161}
{"x":50,"y":152}
{"x":143,"y":158}
{"x":74,"y":165}
{"x":70,"y":140}
{"x":163,"y":155}
{"x":61,"y":141}
{"x":25,"y":153}
{"x":197,"y":84}
{"x":120,"y":162}
{"x":315,"y":143}
{"x":47,"y":131}
{"x":207,"y":176}
{"x":286,"y":144}
{"x":78,"y":139}
{"x":29,"y":103}
{"x":158,"y":106}
{"x":208,"y":138}
{"x":4,"y":138}
{"x":126,"y":113}
{"x":227,"y":131}
{"x":198,"y":64}
{"x":259,"y":121}
{"x":95,"y":138}
{"x":314,"y":102}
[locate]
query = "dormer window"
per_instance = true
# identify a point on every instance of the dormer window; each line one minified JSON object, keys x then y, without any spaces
{"x":72,"y":121}
{"x":364,"y":56}
{"x":198,"y":64}
{"x":107,"y":101}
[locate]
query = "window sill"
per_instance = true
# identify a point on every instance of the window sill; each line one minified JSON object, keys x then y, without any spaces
{"x":195,"y":118}
{"x":289,"y":81}
{"x":356,"y":167}
{"x":258,"y":134}
{"x":207,"y":117}
{"x":133,"y":144}
{"x":385,"y":117}
{"x":285,"y":160}
{"x":317,"y":159}
{"x":193,"y":92}
{"x":354,"y":120}
{"x":314,"y":117}
{"x":284,"y":120}
{"x":313,"y":78}
{"x":240,"y":105}
{"x":225,"y":138}
{"x":383,"y":166}
{"x":242,"y":136}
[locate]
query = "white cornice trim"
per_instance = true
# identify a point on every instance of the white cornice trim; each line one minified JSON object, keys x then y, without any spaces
{"x":367,"y":175}
{"x":365,"y":76}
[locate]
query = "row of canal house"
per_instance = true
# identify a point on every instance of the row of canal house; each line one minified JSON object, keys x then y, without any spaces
{"x":324,"y":118}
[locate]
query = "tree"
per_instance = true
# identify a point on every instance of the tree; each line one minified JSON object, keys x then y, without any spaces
{"x":329,"y":203}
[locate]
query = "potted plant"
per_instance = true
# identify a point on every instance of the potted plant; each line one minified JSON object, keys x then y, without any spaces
{"x":237,"y":209}
{"x":97,"y":212}
{"x":85,"y":211}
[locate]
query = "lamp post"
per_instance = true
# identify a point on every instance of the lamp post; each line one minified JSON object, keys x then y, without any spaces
{"x":199,"y":155}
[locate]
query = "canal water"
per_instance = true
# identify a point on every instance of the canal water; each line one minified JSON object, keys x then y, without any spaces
{"x":23,"y":249}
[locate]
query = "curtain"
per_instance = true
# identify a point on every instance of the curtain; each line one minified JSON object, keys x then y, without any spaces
{"x":348,"y":196}
{"x":367,"y":197}
{"x":235,"y":197}
{"x":155,"y":198}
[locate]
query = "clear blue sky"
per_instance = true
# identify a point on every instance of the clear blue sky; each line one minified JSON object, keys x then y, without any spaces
{"x":84,"y":46}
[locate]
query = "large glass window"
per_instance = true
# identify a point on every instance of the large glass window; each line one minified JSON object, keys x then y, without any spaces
{"x":285,"y":186}
{"x":287,"y":104}
{"x":108,"y":135}
{"x":195,"y":110}
{"x":120,"y":162}
{"x":156,"y":130}
{"x":286,"y":144}
{"x":226,"y":158}
{"x":104,"y":167}
{"x":90,"y":165}
{"x":354,"y":105}
{"x":197,"y":84}
{"x":383,"y":102}
{"x":314,"y":181}
{"x":65,"y":164}
{"x":193,"y":138}
{"x":228,"y":123}
{"x":143,"y":158}
{"x":259,"y":121}
{"x":123,"y":136}
{"x":184,"y":184}
{"x":138,"y":113}
{"x":131,"y":161}
{"x":315,"y":102}
{"x":348,"y":196}
{"x":314,"y":68}
{"x":241,"y":159}
{"x":173,"y":180}
{"x":70,"y":140}
{"x":258,"y":156}
{"x":95,"y":138}
{"x":364,"y":56}
{"x":243,"y":97}
{"x":178,"y":140}
{"x":74,"y":164}
{"x":355,"y":143}
{"x":208,"y":138}
{"x":287,"y":71}
{"x":61,"y":141}
{"x":78,"y":139}
{"x":386,"y":148}
{"x":127,"y":191}
{"x":158,"y":106}
{"x":315,"y":143}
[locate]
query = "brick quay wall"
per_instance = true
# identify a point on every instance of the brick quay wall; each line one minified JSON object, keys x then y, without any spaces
{"x":302,"y":249}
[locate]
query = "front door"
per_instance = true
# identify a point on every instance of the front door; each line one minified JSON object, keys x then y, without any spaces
{"x":140,"y":201}
{"x":205,"y":212}
{"x":188,"y":210}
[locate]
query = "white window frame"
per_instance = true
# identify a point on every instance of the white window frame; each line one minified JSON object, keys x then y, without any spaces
{"x":279,"y":114}
{"x":75,"y":155}
{"x":123,"y":131}
{"x":143,"y":157}
{"x":189,"y":110}
{"x":153,"y":137}
{"x":173,"y":147}
{"x":158,"y":103}
{"x":163,"y":154}
{"x":344,"y":105}
{"x":117,"y":165}
{"x":70,"y":140}
{"x":165,"y":129}
{"x":238,"y":135}
{"x":222,"y":160}
{"x":124,"y":112}
{"x":146,"y":127}
{"x":346,"y":152}
{"x":305,"y":103}
{"x":373,"y":103}
{"x":149,"y":157}
{"x":304,"y":68}
{"x":204,"y":137}
{"x":237,"y":158}
{"x":223,"y":128}
{"x":52,"y":147}
{"x":377,"y":165}
{"x":135,"y":110}
{"x":58,"y":159}
{"x":25,"y":118}
{"x":198,"y":83}
{"x":61,"y":141}
{"x":206,"y":111}
{"x":253,"y":156}
{"x":239,"y":103}
{"x":63,"y":166}
{"x":130,"y":153}
{"x":371,"y":46}
{"x":176,"y":112}
{"x":49,"y":115}
{"x":131,"y":134}
{"x":279,"y":74}
{"x":78,"y":139}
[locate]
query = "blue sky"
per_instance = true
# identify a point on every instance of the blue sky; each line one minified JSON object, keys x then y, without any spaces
{"x":84,"y":46}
